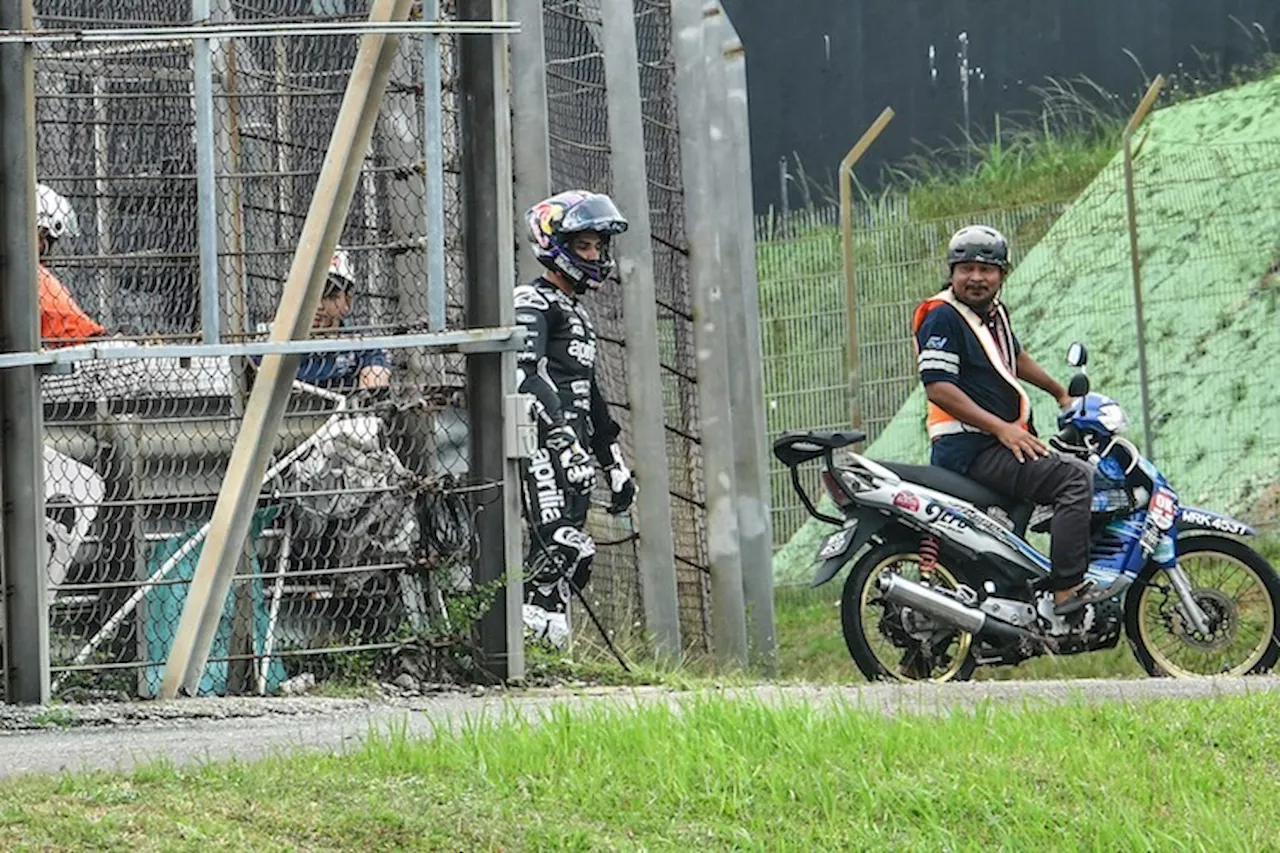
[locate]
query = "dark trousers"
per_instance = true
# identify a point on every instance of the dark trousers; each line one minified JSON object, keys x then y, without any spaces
{"x":1065,"y":484}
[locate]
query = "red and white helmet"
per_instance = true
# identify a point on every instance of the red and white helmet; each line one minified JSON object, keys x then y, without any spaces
{"x":54,"y":214}
{"x":342,"y":275}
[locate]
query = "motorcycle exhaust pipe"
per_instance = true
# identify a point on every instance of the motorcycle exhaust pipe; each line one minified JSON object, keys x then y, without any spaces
{"x":968,"y":619}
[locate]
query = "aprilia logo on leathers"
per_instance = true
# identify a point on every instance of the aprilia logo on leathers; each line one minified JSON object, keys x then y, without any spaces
{"x":583,"y":351}
{"x":549,"y":495}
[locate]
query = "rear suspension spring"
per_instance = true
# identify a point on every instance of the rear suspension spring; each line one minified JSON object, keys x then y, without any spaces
{"x":928,"y":555}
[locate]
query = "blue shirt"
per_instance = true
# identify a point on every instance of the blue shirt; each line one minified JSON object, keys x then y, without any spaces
{"x":950,"y":352}
{"x":338,"y":369}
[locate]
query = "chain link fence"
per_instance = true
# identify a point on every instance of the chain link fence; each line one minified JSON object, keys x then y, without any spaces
{"x":1208,"y":230}
{"x":363,"y":537}
{"x":1208,"y":237}
{"x":654,"y":40}
{"x":578,"y":122}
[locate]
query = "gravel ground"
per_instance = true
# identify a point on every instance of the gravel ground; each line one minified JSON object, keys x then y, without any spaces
{"x":120,"y":735}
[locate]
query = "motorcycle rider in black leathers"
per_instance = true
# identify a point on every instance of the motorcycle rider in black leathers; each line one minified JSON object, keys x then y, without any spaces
{"x":570,"y":233}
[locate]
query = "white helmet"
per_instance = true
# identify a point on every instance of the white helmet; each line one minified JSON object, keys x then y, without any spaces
{"x":341,"y":272}
{"x":54,"y":214}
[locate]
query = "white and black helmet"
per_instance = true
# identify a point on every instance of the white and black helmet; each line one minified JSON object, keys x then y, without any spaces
{"x":54,"y":214}
{"x":342,"y":275}
{"x":980,"y":243}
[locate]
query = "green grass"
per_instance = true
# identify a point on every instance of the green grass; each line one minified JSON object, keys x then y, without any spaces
{"x":1011,"y":169}
{"x":810,"y":645}
{"x":723,"y":774}
{"x":54,"y":716}
{"x":592,"y":663}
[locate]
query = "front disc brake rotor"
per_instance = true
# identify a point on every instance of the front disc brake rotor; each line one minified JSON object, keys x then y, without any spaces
{"x":1219,"y":610}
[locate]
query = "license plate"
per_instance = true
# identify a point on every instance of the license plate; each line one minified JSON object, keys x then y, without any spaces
{"x":836,"y":543}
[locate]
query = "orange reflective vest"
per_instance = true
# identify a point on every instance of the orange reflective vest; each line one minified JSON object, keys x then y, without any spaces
{"x":62,"y":321}
{"x":940,"y":422}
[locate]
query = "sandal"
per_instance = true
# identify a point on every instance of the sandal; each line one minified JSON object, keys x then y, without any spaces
{"x":1087,"y":593}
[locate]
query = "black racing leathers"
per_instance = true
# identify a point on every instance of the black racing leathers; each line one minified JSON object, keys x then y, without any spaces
{"x":558,"y":368}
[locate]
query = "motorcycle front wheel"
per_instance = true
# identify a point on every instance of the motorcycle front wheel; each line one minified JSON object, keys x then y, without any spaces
{"x":888,"y":642}
{"x":1239,"y":593}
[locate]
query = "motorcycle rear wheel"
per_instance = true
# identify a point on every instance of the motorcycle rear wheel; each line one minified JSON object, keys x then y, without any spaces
{"x":1237,"y":589}
{"x":871,"y":625}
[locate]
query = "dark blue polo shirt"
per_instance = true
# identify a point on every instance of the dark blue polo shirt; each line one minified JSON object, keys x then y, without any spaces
{"x":950,"y":352}
{"x":337,"y":370}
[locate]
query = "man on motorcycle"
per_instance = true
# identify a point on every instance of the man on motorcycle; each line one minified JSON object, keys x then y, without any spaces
{"x":570,"y":233}
{"x":979,"y":417}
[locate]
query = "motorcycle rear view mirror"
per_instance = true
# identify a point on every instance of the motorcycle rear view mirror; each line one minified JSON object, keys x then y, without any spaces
{"x":1079,"y":385}
{"x":1077,"y":355}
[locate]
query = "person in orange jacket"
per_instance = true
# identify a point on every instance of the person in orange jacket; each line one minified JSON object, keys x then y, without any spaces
{"x":62,"y":321}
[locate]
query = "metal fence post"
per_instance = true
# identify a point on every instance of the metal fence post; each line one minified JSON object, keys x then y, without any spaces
{"x":21,"y":457}
{"x":419,"y":284}
{"x":701,"y":118}
{"x":504,"y":231}
{"x":206,"y":177}
{"x":846,"y":242}
{"x":529,"y":120}
{"x":1131,"y":208}
{"x":237,"y":497}
{"x":750,"y":433}
{"x":655,"y":550}
{"x":433,"y":153}
{"x":490,"y":264}
{"x":231,"y":160}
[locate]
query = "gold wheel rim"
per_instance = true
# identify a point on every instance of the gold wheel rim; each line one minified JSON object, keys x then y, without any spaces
{"x":941,"y":574}
{"x":1159,"y":649}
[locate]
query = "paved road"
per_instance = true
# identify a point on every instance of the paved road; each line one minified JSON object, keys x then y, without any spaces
{"x":119,"y":736}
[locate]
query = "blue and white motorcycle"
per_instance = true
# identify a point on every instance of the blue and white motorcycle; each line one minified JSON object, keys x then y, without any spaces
{"x":944,"y":580}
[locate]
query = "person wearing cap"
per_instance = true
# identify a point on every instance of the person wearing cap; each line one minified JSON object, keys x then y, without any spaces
{"x":979,"y":415}
{"x":357,"y":368}
{"x":354,"y":368}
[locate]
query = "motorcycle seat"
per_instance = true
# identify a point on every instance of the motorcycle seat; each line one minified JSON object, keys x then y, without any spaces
{"x":942,"y":480}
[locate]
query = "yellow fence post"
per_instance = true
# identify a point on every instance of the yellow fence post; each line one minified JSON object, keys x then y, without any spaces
{"x":846,"y":237}
{"x":1144,"y":384}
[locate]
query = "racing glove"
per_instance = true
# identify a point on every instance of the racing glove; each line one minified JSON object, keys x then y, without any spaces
{"x":622,"y":483}
{"x":579,"y":472}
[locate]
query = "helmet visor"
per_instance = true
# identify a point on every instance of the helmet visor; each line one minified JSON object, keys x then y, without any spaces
{"x":597,"y":213}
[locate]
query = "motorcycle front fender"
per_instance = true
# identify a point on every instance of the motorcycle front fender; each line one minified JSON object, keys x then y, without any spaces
{"x":1194,"y":518}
